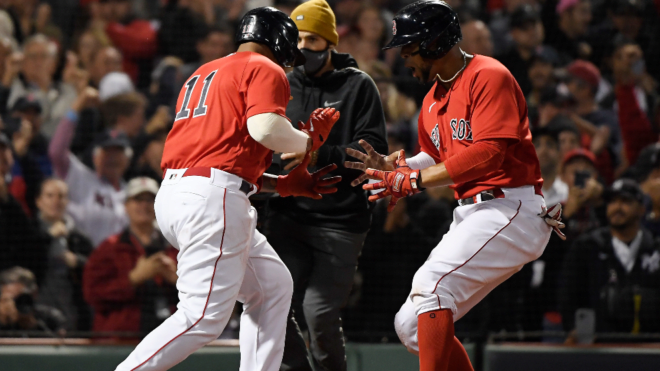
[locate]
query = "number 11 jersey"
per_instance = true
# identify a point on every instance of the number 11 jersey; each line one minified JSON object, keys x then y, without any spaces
{"x":210,"y":127}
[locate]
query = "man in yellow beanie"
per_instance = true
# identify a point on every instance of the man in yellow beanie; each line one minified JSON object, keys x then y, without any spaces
{"x":320,"y":240}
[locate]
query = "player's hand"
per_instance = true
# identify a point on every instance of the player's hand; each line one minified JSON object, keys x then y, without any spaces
{"x":296,"y":157}
{"x":399,"y":183}
{"x":370,"y":160}
{"x":299,"y":182}
{"x":22,"y":138}
{"x":318,"y":126}
{"x":552,"y":216}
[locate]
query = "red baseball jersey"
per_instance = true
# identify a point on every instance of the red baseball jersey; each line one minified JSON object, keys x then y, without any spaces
{"x":485,"y":102}
{"x":210,"y":127}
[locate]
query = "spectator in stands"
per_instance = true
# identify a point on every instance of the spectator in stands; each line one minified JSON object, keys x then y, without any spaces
{"x":129,"y":280}
{"x":546,"y":142}
{"x":38,"y":69}
{"x":615,"y":270}
{"x":599,"y":127}
{"x":216,"y":43}
{"x":67,"y":255}
{"x":499,"y":25}
{"x":553,"y":102}
{"x":97,"y":196}
{"x":87,"y":46}
{"x":29,"y":109}
{"x":104,"y":60}
{"x":20,"y":242}
{"x":569,"y":38}
{"x":183,"y":25}
{"x":18,"y":311}
{"x":542,"y":78}
{"x":633,"y":89}
{"x":581,"y":213}
{"x":476,"y":38}
{"x":124,"y":113}
{"x":135,"y":38}
{"x":527,"y":34}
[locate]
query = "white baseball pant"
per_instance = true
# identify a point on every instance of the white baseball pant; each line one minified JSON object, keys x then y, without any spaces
{"x":486,"y":244}
{"x":222,"y":258}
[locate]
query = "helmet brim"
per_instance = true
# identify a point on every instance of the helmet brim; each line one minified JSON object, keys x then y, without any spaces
{"x":398,"y":42}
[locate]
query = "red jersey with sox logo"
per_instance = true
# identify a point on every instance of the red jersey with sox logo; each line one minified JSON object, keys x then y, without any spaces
{"x":485,"y":102}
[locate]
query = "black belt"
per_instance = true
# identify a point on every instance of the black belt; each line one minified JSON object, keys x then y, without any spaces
{"x":485,"y":196}
{"x":246,"y":187}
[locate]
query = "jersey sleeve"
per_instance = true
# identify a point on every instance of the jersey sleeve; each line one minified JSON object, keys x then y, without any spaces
{"x":425,"y":143}
{"x":496,"y":113}
{"x":267,"y":89}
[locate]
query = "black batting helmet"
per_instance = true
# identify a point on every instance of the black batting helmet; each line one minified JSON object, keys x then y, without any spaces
{"x":274,"y":29}
{"x":432,"y":23}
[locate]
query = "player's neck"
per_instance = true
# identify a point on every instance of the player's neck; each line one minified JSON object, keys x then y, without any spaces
{"x":259,"y":49}
{"x":447,"y":66}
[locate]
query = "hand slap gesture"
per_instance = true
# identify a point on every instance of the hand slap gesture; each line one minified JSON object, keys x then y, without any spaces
{"x":399,"y":183}
{"x":372,"y":160}
{"x":318,"y":126}
{"x":299,"y":182}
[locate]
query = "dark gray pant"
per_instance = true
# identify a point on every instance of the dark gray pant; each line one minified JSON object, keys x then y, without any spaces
{"x":322,"y":262}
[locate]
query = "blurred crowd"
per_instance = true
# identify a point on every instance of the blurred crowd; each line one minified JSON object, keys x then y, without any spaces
{"x":87,"y":96}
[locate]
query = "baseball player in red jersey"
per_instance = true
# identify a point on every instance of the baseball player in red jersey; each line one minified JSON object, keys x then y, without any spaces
{"x":230,"y":118}
{"x":475,"y":138}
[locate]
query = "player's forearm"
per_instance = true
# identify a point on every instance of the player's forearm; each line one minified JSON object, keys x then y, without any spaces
{"x":276,"y":133}
{"x":435,"y":176}
{"x":269,"y":183}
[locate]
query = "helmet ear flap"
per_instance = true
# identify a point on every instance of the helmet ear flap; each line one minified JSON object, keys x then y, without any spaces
{"x":441,"y":40}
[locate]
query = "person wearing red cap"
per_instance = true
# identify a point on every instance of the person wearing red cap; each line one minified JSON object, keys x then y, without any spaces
{"x":578,"y":171}
{"x":599,"y":127}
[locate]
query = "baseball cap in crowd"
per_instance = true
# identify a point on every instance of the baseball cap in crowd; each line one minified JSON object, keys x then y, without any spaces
{"x":624,"y":188}
{"x":556,"y":97}
{"x":647,"y":161}
{"x":140,"y":185}
{"x":316,"y":16}
{"x":524,"y":16}
{"x":564,"y":5}
{"x":585,"y":71}
{"x":27,"y":103}
{"x":113,"y":138}
{"x":113,"y":84}
{"x":579,"y":153}
{"x":545,"y":54}
{"x":546,"y":131}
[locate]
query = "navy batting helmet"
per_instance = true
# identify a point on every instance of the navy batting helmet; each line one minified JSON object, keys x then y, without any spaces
{"x":432,"y":23}
{"x":274,"y":29}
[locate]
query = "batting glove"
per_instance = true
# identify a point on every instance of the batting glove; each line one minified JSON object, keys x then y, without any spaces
{"x":299,"y":182}
{"x":552,"y":216}
{"x":318,"y":126}
{"x":399,"y":183}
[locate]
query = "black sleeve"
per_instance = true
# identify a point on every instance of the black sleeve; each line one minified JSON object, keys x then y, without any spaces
{"x":369,"y":124}
{"x":573,"y":282}
{"x":4,"y":98}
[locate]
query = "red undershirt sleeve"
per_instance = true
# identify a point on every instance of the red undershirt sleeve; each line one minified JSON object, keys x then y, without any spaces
{"x":477,"y":160}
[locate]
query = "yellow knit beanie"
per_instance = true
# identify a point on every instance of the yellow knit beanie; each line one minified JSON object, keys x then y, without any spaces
{"x":317,"y":17}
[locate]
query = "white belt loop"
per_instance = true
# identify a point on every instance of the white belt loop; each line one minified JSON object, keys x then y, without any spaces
{"x":479,"y":198}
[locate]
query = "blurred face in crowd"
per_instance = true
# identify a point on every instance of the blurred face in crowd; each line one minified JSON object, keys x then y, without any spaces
{"x":215,"y":45}
{"x":154,"y":153}
{"x":568,"y":141}
{"x":117,"y":10}
{"x":140,"y":209}
{"x":420,"y":67}
{"x":40,"y":61}
{"x":577,"y":18}
{"x":476,"y":38}
{"x":111,"y":163}
{"x":6,"y":160}
{"x":625,"y":57}
{"x":623,"y":212}
{"x":133,"y":124}
{"x":5,"y":52}
{"x":53,"y":200}
{"x":547,"y":150}
{"x":371,"y":25}
{"x":346,"y":10}
{"x":88,"y":44}
{"x":578,"y":164}
{"x":529,"y":36}
{"x":540,"y":74}
{"x":628,"y":24}
{"x":32,"y":116}
{"x":580,"y":90}
{"x":105,"y":60}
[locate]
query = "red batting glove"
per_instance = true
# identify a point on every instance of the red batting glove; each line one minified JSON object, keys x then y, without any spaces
{"x":299,"y":182}
{"x":552,"y":216}
{"x":318,"y":126}
{"x":399,"y":183}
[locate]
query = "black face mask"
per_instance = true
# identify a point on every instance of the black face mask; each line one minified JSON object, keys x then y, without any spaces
{"x":315,"y":60}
